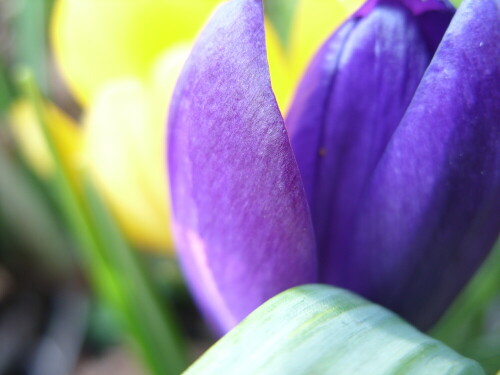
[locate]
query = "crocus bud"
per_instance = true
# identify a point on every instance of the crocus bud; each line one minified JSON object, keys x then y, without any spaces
{"x":411,"y":239}
{"x":395,"y":131}
{"x":348,"y":106}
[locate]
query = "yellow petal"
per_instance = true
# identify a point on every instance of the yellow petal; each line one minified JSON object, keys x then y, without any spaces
{"x":165,"y":73}
{"x":124,"y":149}
{"x":117,"y":154}
{"x":283,"y":78}
{"x":95,"y":41}
{"x":162,"y":83}
{"x":29,"y":136}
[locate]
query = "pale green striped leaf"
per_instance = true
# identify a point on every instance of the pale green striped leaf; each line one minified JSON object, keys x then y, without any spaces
{"x":318,"y":329}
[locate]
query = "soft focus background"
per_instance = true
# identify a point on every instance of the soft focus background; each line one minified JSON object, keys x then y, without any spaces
{"x":89,"y":283}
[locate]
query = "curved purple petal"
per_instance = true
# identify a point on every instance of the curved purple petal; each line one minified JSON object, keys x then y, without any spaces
{"x":241,"y":219}
{"x":417,"y":7}
{"x":433,"y":16}
{"x":432,"y":210}
{"x":347,"y":107}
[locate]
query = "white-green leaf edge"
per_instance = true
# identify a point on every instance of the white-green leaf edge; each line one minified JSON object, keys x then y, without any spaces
{"x":319,"y":329}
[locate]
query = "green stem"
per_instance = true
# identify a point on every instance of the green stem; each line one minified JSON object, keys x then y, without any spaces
{"x":458,"y":323}
{"x":112,"y":267}
{"x":71,"y":204}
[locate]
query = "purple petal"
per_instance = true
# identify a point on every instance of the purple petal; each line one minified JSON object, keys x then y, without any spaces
{"x":242,"y":223}
{"x":417,"y":7}
{"x":432,"y":210}
{"x":433,"y":16}
{"x":347,"y":107}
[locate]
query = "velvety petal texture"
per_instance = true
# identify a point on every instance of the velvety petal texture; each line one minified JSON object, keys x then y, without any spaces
{"x":417,"y":7}
{"x":345,"y":111}
{"x":431,"y":211}
{"x":433,"y":16}
{"x":241,"y":219}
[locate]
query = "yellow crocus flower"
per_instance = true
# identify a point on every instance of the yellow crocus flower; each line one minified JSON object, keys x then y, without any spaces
{"x":107,"y":51}
{"x":99,"y":40}
{"x":95,"y":41}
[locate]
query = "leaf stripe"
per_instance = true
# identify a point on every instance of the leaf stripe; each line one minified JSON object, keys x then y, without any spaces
{"x":319,"y":329}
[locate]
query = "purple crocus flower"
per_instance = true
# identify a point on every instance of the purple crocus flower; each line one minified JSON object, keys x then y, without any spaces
{"x":387,"y":181}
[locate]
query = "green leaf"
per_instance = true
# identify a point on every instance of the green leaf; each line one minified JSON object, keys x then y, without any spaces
{"x":30,"y":38}
{"x":109,"y":262}
{"x":6,"y":93}
{"x":27,"y":216}
{"x":465,"y":325}
{"x":318,"y":329}
{"x":151,"y":323}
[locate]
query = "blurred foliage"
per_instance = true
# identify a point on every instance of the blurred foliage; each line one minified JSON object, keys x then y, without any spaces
{"x":23,"y":206}
{"x":112,"y":267}
{"x":31,"y":18}
{"x":5,"y":89}
{"x":472,"y":324}
{"x":29,"y":137}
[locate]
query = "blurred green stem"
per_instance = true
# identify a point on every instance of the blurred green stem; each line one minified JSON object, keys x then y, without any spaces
{"x":110,"y":263}
{"x":5,"y":89}
{"x":22,"y":207}
{"x":281,"y":13}
{"x":459,"y":322}
{"x":30,"y":38}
